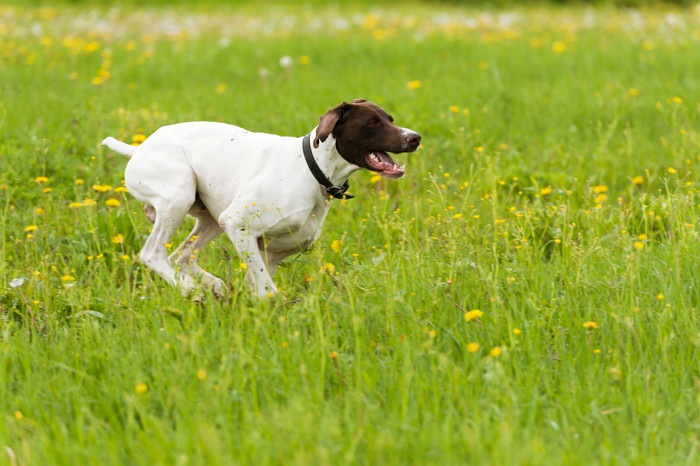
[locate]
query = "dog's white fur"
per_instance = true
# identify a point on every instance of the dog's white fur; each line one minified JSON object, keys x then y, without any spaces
{"x":255,"y":187}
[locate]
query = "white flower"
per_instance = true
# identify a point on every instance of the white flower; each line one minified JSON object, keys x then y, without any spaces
{"x":286,"y":61}
{"x":17,"y":282}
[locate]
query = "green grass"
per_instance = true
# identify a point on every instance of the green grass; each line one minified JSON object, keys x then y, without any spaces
{"x":556,"y":187}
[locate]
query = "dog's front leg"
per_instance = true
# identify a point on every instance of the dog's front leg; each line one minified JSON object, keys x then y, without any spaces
{"x":246,"y":243}
{"x":258,"y":276}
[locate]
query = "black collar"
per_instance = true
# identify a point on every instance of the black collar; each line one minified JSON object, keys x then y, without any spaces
{"x":337,"y":192}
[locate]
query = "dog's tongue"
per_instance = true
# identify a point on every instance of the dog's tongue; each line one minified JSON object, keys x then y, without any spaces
{"x":383,"y":164}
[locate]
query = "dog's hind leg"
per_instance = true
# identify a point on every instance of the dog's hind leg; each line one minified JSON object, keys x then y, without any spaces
{"x":185,"y":257}
{"x":155,"y":254}
{"x":163,"y":180}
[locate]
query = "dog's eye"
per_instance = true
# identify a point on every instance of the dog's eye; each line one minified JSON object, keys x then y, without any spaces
{"x":373,"y":123}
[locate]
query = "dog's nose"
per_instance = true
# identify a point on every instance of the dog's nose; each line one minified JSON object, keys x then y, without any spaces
{"x":413,"y":139}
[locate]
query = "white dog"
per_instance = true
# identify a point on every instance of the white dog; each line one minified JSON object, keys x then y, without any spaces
{"x":269,"y":194}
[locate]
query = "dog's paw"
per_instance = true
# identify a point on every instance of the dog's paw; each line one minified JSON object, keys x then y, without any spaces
{"x":215,"y":284}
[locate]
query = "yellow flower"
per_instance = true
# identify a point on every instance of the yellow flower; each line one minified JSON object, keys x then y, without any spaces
{"x":92,"y":46}
{"x":80,"y":181}
{"x":221,"y":88}
{"x":121,"y":189}
{"x":31,"y":228}
{"x":335,"y":245}
{"x":454,"y":109}
{"x":202,"y":375}
{"x":600,"y":189}
{"x":119,"y":239}
{"x":333,"y":355}
{"x":413,"y":85}
{"x":379,"y":34}
{"x":330,"y":268}
{"x":473,"y":347}
{"x":18,"y":415}
{"x":546,"y":191}
{"x":243,"y":265}
{"x":141,"y":388}
{"x":496,"y":352}
{"x":75,"y":205}
{"x":67,"y":278}
{"x":590,"y":325}
{"x":375,"y":178}
{"x":457,"y":216}
{"x":101,"y":188}
{"x":304,"y":59}
{"x":672,"y":171}
{"x":473,"y":315}
{"x":41,"y":179}
{"x":112,"y":203}
{"x":517,"y":331}
{"x":638,"y":245}
{"x":637,"y":180}
{"x":89,"y":202}
{"x":137,"y":139}
{"x":660,"y":297}
{"x":559,"y":47}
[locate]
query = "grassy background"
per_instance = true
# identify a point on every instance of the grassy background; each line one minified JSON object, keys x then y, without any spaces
{"x":555,"y":193}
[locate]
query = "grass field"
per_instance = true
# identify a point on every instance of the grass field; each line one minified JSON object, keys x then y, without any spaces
{"x":526,"y":295}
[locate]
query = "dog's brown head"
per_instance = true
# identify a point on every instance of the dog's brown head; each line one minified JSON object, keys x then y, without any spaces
{"x":364,"y":135}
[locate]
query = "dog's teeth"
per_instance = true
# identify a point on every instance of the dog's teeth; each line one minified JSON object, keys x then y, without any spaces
{"x":375,"y":157}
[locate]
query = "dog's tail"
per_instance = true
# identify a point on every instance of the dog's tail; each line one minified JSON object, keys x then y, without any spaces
{"x":118,"y":146}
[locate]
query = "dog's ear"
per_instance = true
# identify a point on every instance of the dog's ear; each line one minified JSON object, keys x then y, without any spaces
{"x":327,"y":123}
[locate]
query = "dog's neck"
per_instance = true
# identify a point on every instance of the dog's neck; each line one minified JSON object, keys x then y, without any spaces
{"x":329,"y":160}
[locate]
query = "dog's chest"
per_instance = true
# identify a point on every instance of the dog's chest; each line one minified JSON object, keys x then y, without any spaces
{"x":297,"y":233}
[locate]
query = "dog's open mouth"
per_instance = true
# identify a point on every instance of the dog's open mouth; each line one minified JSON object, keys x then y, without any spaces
{"x":382,"y":163}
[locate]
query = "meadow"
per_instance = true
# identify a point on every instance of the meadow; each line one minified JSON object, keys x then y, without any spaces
{"x":526,"y":295}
